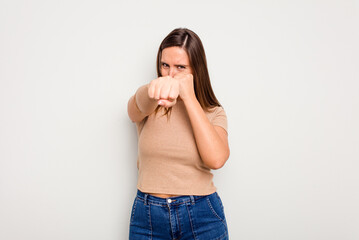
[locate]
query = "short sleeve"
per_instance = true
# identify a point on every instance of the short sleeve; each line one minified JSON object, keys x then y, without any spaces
{"x":139,"y":126}
{"x":219,"y":118}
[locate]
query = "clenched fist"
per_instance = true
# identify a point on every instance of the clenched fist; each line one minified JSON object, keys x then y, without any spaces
{"x":186,"y":87}
{"x":165,"y":90}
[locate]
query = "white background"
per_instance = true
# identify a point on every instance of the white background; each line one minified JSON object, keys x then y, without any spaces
{"x":286,"y":73}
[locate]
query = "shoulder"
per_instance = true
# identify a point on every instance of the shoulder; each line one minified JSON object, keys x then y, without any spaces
{"x":217,"y":116}
{"x":215,"y":111}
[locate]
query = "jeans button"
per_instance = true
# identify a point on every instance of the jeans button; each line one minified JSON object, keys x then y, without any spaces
{"x":169,"y":200}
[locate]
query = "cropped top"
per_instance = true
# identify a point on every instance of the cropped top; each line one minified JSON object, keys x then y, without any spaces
{"x":168,"y":159}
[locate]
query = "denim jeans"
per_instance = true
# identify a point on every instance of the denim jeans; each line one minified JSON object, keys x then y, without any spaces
{"x":184,"y":217}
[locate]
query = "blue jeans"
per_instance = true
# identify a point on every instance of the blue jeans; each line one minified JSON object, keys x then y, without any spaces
{"x":184,"y":217}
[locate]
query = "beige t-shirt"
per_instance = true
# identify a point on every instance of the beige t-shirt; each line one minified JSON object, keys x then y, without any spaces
{"x":168,"y":158}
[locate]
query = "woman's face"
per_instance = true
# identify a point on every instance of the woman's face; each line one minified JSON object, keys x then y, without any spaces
{"x":174,"y":60}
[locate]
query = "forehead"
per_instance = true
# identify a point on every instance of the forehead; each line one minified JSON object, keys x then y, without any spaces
{"x":175,"y":55}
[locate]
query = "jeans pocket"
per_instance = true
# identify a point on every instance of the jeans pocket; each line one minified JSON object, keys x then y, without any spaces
{"x":208,"y":219}
{"x":219,"y":201}
{"x":133,"y":210}
{"x":140,"y":224}
{"x":216,"y":207}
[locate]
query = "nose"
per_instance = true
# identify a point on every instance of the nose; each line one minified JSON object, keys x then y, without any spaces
{"x":172,"y":72}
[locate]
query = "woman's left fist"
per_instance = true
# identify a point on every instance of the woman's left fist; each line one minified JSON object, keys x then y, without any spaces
{"x":186,"y":88}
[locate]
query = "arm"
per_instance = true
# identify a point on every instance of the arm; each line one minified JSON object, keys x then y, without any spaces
{"x":212,"y":141}
{"x":161,"y":91}
{"x":140,"y":105}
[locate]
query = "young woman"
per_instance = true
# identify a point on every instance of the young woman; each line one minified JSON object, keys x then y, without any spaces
{"x":182,"y":135}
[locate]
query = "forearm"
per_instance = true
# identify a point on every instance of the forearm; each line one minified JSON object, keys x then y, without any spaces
{"x":211,"y":140}
{"x":141,"y":105}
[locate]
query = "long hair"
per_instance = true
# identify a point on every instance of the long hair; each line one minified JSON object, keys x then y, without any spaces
{"x":191,"y":43}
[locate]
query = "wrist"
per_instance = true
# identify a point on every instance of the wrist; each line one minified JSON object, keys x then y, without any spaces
{"x":143,"y":102}
{"x":189,"y":99}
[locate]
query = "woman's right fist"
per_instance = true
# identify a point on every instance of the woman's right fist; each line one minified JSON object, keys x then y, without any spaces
{"x":165,"y":90}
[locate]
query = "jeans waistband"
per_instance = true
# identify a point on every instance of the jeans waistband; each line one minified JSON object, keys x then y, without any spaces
{"x":148,"y":198}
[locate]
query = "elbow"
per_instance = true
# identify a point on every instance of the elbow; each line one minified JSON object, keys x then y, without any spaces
{"x":219,"y":161}
{"x":217,"y":165}
{"x":131,"y":117}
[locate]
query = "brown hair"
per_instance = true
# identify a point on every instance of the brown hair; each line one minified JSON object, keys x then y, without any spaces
{"x":191,"y":43}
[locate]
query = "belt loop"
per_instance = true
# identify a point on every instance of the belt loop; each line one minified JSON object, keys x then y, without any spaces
{"x":146,"y":195}
{"x":192,"y":199}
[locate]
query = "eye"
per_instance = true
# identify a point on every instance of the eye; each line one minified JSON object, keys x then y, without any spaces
{"x":165,"y":65}
{"x":181,"y":67}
